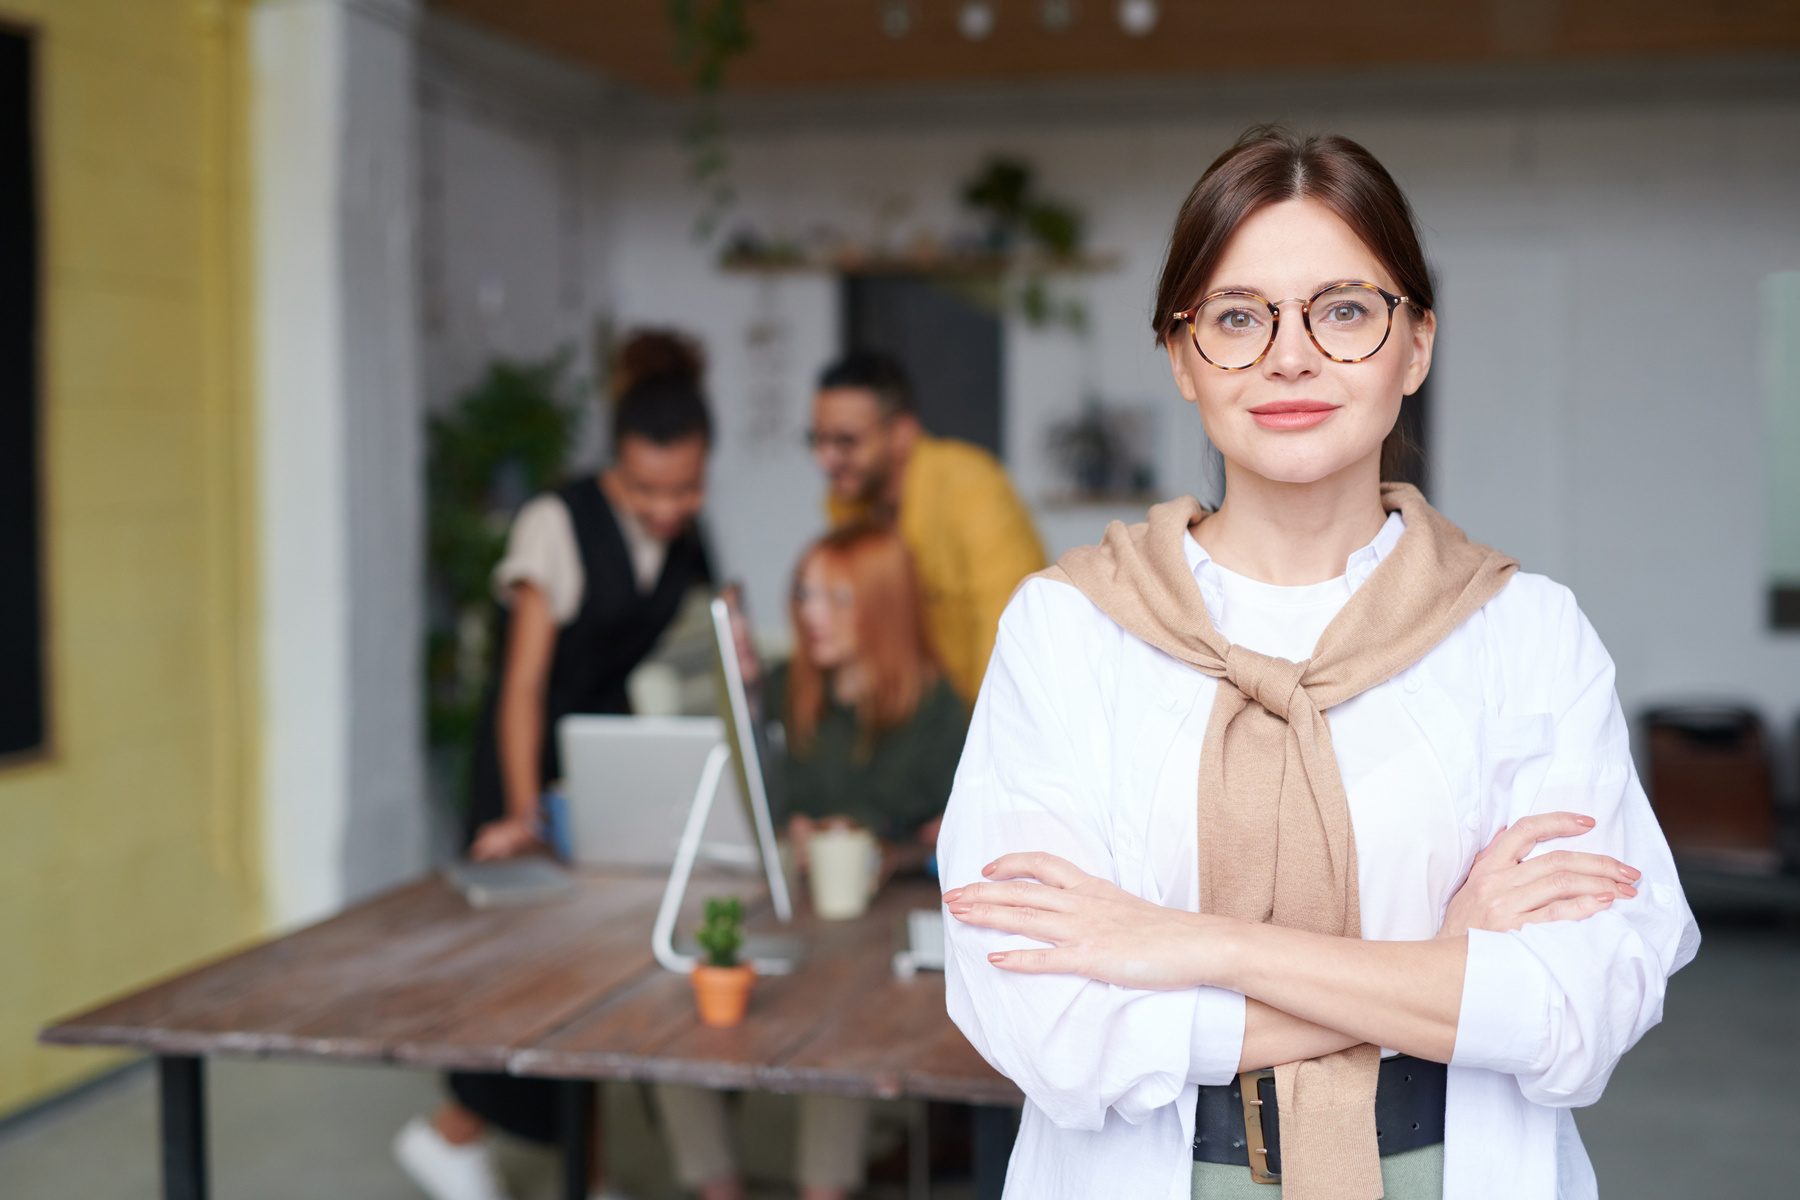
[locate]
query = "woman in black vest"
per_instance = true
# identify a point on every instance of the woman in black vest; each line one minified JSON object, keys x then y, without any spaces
{"x":593,"y":574}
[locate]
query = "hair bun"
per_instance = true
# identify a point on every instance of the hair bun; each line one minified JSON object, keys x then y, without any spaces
{"x":657,"y":354}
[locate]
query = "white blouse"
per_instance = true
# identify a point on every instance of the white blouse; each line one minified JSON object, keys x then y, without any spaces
{"x":1086,"y":743}
{"x":541,"y":549}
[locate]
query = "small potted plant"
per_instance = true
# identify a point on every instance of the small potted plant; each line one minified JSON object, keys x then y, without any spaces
{"x":722,"y":984}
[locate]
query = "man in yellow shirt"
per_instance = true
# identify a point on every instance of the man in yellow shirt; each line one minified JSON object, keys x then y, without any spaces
{"x":971,"y":539}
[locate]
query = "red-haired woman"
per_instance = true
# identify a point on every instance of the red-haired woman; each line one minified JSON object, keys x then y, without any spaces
{"x":873,"y":735}
{"x":1396,"y":940}
{"x":873,"y":728}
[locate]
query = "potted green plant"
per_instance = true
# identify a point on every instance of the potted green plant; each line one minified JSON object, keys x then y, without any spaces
{"x":722,"y":984}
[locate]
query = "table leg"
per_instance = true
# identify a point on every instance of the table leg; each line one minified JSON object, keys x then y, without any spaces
{"x":577,"y":1131}
{"x":918,"y":1150}
{"x":183,"y":1087}
{"x":996,"y":1126}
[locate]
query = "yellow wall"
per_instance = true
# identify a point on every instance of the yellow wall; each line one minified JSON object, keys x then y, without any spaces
{"x":129,"y":851}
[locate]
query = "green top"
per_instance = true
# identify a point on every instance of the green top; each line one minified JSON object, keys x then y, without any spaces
{"x":896,"y":784}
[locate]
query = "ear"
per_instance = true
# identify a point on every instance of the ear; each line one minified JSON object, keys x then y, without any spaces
{"x":903,"y":434}
{"x":1178,"y":366}
{"x":1424,"y":335}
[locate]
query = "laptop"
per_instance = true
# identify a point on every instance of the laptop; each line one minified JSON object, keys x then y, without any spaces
{"x":629,"y":783}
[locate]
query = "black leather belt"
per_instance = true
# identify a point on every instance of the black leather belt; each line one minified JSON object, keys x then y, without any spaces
{"x":1409,"y":1113}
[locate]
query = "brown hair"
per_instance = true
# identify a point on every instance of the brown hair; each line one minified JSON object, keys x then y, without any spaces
{"x":647,"y":354}
{"x":1267,"y":165}
{"x":890,"y":633}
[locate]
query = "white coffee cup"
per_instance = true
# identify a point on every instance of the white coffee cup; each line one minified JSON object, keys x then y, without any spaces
{"x":842,"y":865}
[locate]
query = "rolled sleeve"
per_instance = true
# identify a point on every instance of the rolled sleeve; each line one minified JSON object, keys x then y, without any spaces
{"x":541,"y":550}
{"x":1504,"y":1022}
{"x":1217,"y":1044}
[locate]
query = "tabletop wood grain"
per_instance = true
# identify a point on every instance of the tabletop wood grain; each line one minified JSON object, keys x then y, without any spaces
{"x":565,"y":990}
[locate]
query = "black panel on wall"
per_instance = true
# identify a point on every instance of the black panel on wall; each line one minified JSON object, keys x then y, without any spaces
{"x":21,"y":605}
{"x":949,"y":346}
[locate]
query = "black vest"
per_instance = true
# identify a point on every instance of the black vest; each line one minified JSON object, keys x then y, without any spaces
{"x":610,"y":635}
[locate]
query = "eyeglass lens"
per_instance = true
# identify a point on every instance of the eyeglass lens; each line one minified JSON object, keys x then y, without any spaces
{"x":835,"y":443}
{"x":841,"y":596}
{"x":1349,"y":322}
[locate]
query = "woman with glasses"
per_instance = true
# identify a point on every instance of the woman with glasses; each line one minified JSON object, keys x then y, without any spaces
{"x":1298,"y":842}
{"x":873,"y":732}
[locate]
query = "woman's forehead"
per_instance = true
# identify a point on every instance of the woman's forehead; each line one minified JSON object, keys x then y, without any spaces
{"x":1294,"y":248}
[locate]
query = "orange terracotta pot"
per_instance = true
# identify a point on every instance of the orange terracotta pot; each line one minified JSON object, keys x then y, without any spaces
{"x":722,"y":994}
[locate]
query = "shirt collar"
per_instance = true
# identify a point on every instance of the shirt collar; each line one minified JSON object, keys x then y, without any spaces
{"x":1357,"y":568}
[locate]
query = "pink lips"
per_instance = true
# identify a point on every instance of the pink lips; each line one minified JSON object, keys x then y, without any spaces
{"x":1292,"y":414}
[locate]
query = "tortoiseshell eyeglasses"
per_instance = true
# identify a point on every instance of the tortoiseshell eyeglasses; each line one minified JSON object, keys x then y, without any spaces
{"x":1233,"y":330}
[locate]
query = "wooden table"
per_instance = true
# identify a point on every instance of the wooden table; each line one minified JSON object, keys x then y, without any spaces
{"x":564,"y":991}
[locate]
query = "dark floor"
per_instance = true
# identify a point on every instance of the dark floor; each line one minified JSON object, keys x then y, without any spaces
{"x":1708,"y":1104}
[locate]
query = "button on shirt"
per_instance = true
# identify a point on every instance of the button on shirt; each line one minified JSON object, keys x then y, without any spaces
{"x":1086,"y":741}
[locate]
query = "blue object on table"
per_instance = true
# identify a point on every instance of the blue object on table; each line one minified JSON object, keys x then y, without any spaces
{"x":555,"y":809}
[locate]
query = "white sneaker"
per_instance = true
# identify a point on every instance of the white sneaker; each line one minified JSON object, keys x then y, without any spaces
{"x":444,"y":1171}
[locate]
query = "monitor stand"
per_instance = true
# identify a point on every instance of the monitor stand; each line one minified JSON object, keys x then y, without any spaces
{"x":770,"y":955}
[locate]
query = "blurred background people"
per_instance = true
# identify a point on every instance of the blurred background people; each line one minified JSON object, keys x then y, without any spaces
{"x":873,"y":734}
{"x":593,"y":574}
{"x":971,"y":538}
{"x":874,"y":729}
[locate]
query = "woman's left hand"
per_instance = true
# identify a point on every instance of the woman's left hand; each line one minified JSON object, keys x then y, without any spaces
{"x":1095,"y":929}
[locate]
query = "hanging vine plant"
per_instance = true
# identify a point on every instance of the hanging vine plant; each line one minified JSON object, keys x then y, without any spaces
{"x":708,"y":35}
{"x":1018,"y":217}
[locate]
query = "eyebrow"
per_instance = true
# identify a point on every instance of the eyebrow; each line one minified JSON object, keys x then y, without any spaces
{"x":1331,"y":283}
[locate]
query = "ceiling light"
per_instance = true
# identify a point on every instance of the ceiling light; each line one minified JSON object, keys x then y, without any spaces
{"x":1137,"y":17}
{"x":1056,"y":15}
{"x":975,"y":19}
{"x":897,"y":18}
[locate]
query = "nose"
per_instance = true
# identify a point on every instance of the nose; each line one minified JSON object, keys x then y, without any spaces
{"x":1293,"y":356}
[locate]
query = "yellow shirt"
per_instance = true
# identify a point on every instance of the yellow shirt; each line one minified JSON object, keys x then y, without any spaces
{"x":972,"y":542}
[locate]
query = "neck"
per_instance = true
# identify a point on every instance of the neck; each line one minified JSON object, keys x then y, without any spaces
{"x":849,"y":683}
{"x":906,"y":437}
{"x":1293,"y":534}
{"x":612,"y":489}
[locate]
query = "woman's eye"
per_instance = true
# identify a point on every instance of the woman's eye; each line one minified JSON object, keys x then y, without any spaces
{"x":1237,"y":320}
{"x":1344,"y":312}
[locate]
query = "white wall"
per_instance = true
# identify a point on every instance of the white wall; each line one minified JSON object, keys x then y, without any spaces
{"x":1570,"y":427}
{"x":340,"y":498}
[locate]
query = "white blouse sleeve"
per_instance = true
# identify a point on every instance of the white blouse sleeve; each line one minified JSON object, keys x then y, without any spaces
{"x":541,"y":550}
{"x":1034,"y":776}
{"x":1557,"y":1004}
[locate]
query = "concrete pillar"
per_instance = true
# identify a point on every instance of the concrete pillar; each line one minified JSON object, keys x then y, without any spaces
{"x":340,"y":474}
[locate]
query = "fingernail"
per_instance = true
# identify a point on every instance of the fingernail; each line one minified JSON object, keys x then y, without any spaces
{"x":952,"y":896}
{"x":989,"y":869}
{"x":1627,"y":891}
{"x":1588,"y":821}
{"x":997,"y":956}
{"x":1633,"y":873}
{"x":959,"y":909}
{"x":1606,"y":899}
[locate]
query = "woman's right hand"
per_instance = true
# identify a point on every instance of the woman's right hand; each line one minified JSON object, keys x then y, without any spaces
{"x":1505,"y":890}
{"x":504,"y":839}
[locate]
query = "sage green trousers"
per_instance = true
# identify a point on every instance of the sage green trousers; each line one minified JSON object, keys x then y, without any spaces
{"x":1411,"y":1175}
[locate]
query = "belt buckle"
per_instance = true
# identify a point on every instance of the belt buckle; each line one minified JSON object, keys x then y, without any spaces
{"x":1253,"y":1126}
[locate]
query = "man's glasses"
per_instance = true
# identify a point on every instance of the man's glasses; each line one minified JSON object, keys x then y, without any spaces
{"x":836,"y":443}
{"x":1348,"y":322}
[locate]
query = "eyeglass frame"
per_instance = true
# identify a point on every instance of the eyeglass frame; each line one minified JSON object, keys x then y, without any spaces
{"x":1187,"y":317}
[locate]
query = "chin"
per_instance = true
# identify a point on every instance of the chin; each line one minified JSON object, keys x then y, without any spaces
{"x":1302,"y":469}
